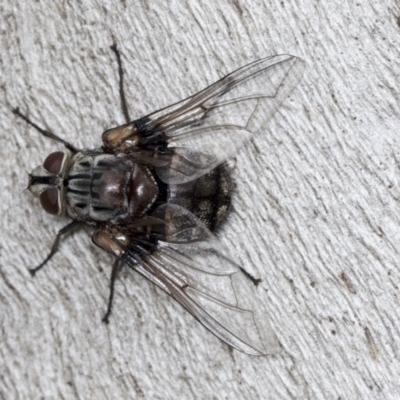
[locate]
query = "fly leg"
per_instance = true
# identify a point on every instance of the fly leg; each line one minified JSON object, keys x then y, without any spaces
{"x":256,"y":281}
{"x":54,"y":248}
{"x":105,"y":238}
{"x":45,"y":133}
{"x":115,"y":137}
{"x":114,"y":273}
{"x":121,"y":83}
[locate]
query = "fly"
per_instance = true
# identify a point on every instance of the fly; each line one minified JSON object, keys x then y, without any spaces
{"x":158,"y":188}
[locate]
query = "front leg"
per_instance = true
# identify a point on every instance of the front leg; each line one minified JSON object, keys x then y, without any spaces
{"x":54,"y":247}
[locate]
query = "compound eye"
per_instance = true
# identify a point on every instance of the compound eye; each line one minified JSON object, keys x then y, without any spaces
{"x":49,"y":200}
{"x":53,"y":162}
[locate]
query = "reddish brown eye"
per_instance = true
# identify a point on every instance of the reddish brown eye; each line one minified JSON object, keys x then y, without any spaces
{"x":53,"y":162}
{"x":49,"y":200}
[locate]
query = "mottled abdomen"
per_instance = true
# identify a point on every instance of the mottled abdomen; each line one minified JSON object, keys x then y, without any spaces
{"x":208,"y":197}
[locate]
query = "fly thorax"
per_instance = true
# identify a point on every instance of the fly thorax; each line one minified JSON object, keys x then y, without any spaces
{"x":104,"y":187}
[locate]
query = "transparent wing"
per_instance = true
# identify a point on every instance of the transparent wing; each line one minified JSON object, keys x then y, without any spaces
{"x":194,"y":136}
{"x":190,"y":266}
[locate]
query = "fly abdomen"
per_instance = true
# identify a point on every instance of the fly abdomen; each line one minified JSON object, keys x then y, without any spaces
{"x":208,"y":197}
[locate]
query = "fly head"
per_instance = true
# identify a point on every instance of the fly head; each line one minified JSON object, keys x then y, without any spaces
{"x":47,"y":182}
